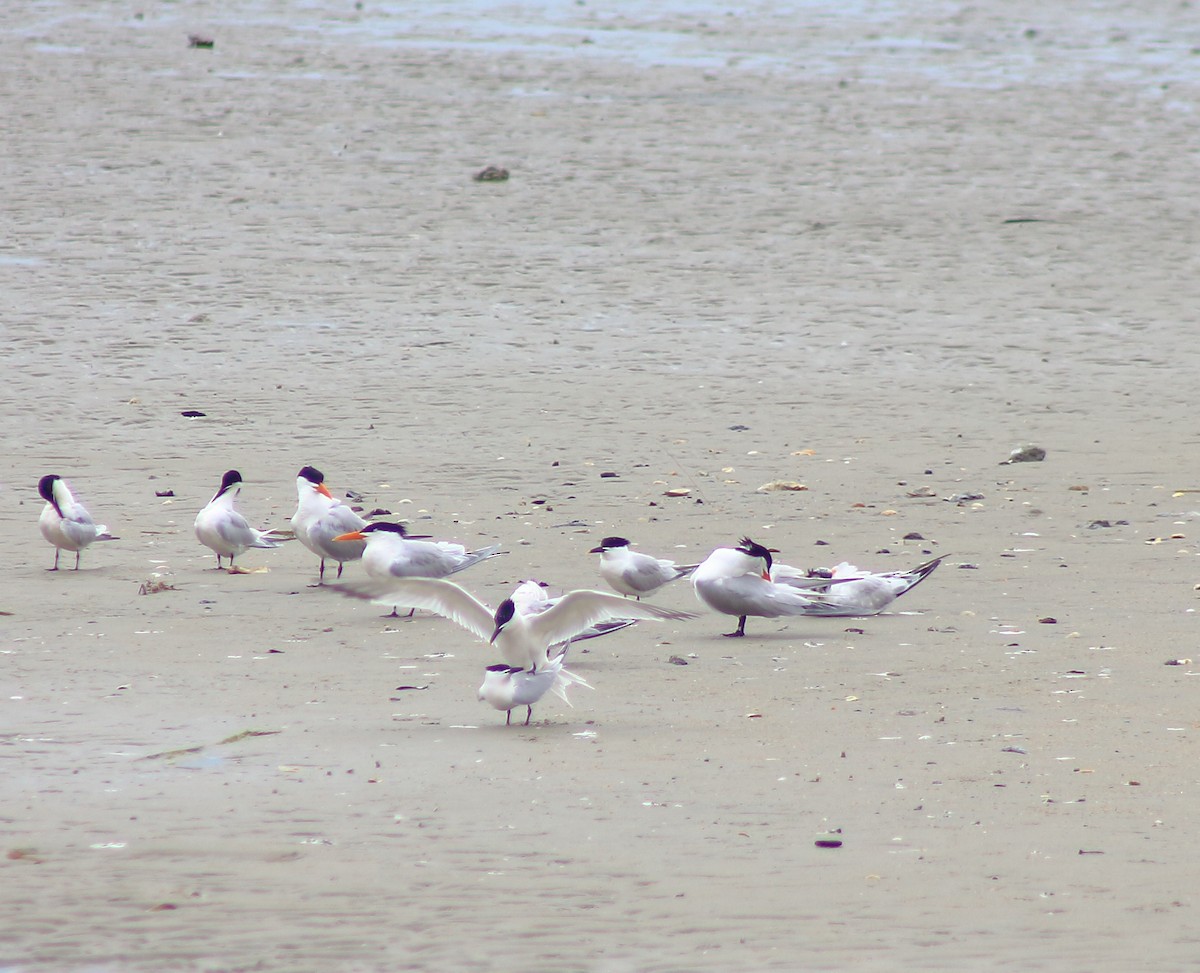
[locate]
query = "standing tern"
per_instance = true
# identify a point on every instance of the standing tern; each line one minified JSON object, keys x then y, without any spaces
{"x":858,"y":592}
{"x":65,"y":522}
{"x":507,"y":687}
{"x":737,"y":581}
{"x":632,"y":573}
{"x":523,"y":638}
{"x":320,"y":517}
{"x":222,"y":529}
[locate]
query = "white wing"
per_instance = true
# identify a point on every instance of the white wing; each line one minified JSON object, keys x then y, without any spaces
{"x":432,"y":594}
{"x":578,"y":610}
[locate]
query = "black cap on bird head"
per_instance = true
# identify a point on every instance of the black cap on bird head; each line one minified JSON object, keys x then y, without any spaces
{"x":747,"y":546}
{"x":312,"y":474}
{"x":232,"y":480}
{"x":46,"y":490}
{"x":504,"y":615}
{"x":608,"y":543}
{"x":385,"y":527}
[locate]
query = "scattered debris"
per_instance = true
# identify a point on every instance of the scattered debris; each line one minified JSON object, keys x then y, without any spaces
{"x":491,"y":174}
{"x":153,"y":587}
{"x":677,"y":660}
{"x":164,"y":493}
{"x":192,"y":414}
{"x":777,"y":485}
{"x":678,"y":492}
{"x":199,"y":40}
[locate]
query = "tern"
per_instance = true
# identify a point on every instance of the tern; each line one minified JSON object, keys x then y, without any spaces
{"x":632,"y":573}
{"x":737,"y":581}
{"x":65,"y":522}
{"x":391,"y":553}
{"x":320,"y":517}
{"x":858,"y":592}
{"x":222,"y":529}
{"x":506,"y":687}
{"x":522,"y":637}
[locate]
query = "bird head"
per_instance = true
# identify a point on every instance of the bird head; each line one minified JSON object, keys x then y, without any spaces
{"x":504,"y":615}
{"x":316,"y":479}
{"x":46,"y":490}
{"x":380,"y":528}
{"x":751,"y":549}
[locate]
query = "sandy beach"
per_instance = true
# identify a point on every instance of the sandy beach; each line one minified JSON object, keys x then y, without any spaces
{"x":867,"y":249}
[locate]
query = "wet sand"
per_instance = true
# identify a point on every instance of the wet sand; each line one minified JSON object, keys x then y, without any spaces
{"x":870,"y":254}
